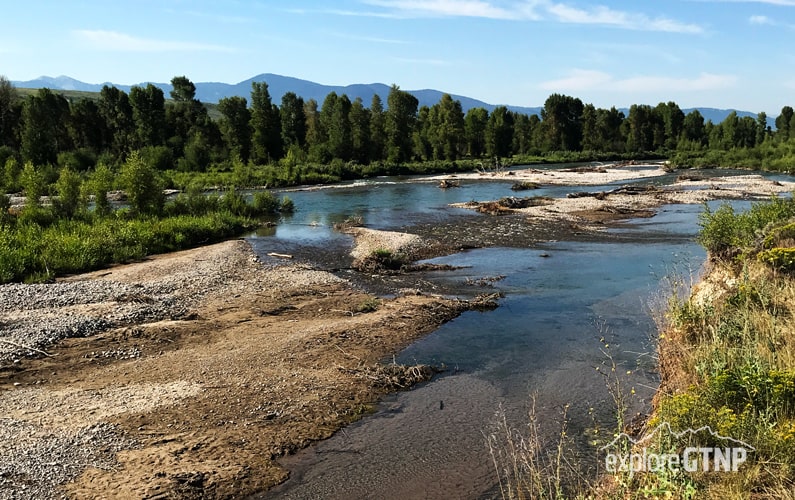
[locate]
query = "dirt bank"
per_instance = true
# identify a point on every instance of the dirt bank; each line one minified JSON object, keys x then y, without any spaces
{"x":215,"y":366}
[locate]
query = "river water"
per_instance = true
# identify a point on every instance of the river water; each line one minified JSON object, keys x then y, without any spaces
{"x":568,"y":308}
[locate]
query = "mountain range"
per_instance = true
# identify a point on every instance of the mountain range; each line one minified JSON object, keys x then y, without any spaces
{"x":278,"y":85}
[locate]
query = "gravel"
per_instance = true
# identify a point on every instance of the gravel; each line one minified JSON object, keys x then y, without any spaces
{"x":67,"y":454}
{"x":34,"y":317}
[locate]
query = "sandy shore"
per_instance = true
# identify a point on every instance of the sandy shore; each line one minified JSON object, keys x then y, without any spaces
{"x":561,"y":177}
{"x":219,"y":366}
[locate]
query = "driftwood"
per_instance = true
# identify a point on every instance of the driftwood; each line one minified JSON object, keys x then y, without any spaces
{"x":524,"y":186}
{"x":280,"y":255}
{"x":600,"y":195}
{"x":26,"y":347}
{"x":582,"y":170}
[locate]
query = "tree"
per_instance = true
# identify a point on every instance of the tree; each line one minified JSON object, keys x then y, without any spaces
{"x":335,"y":119}
{"x":32,"y":181}
{"x":693,"y":128}
{"x":265,"y":124}
{"x":115,"y":109}
{"x":68,"y":189}
{"x":783,"y":122}
{"x":87,"y":127}
{"x":422,"y":133}
{"x":187,"y":116}
{"x":8,"y":113}
{"x":523,"y":133}
{"x":761,"y":128}
{"x":182,"y":89}
{"x":142,"y":185}
{"x":562,"y":121}
{"x":360,"y":131}
{"x":475,"y":123}
{"x":100,"y":182}
{"x":44,"y":132}
{"x":592,"y":139}
{"x":673,"y":120}
{"x":315,"y":134}
{"x":149,"y":115}
{"x":447,"y":128}
{"x":640,"y":128}
{"x":377,"y":129}
{"x":236,"y":126}
{"x":401,"y":117}
{"x":499,"y":133}
{"x":293,"y":120}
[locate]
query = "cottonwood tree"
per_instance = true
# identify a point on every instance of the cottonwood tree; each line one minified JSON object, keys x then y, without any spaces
{"x":87,"y":127}
{"x":142,"y":185}
{"x":499,"y":133}
{"x":315,"y":135}
{"x":377,"y":129}
{"x":562,"y":121}
{"x":236,"y":126}
{"x":475,"y":123}
{"x":266,"y":144}
{"x":8,"y":111}
{"x":401,"y":117}
{"x":447,"y":128}
{"x":293,"y":121}
{"x":115,"y":109}
{"x":44,"y":132}
{"x":149,"y":115}
{"x":360,"y":131}
{"x":335,"y":120}
{"x":783,"y":122}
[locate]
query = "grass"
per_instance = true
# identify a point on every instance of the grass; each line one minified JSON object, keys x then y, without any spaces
{"x":31,"y":252}
{"x":727,"y":361}
{"x":726,"y":354}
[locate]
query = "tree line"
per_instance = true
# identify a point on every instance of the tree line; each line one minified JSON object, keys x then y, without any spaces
{"x":52,"y":132}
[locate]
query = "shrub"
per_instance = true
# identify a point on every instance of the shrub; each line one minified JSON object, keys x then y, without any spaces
{"x":779,"y":258}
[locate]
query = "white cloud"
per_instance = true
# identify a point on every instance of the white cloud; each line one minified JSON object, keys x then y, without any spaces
{"x":121,"y":42}
{"x":760,"y":20}
{"x":588,"y":80}
{"x":529,"y":10}
{"x":449,"y":8}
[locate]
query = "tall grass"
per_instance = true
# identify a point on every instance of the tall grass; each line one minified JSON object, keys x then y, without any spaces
{"x":727,"y":360}
{"x":31,"y":252}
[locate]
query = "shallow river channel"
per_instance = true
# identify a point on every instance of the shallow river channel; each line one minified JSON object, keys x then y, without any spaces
{"x":568,"y":308}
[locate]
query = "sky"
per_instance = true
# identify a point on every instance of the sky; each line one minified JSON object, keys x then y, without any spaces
{"x":698,"y":53}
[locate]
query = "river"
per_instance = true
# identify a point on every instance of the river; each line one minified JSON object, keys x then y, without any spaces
{"x":569,"y":307}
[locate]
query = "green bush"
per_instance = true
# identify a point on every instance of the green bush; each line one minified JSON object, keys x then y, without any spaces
{"x":779,"y":258}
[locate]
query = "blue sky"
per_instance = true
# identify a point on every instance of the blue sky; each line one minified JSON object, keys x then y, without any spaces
{"x":713,"y":53}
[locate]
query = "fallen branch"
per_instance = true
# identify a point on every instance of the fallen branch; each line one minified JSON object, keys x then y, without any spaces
{"x":280,"y":255}
{"x":26,"y":347}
